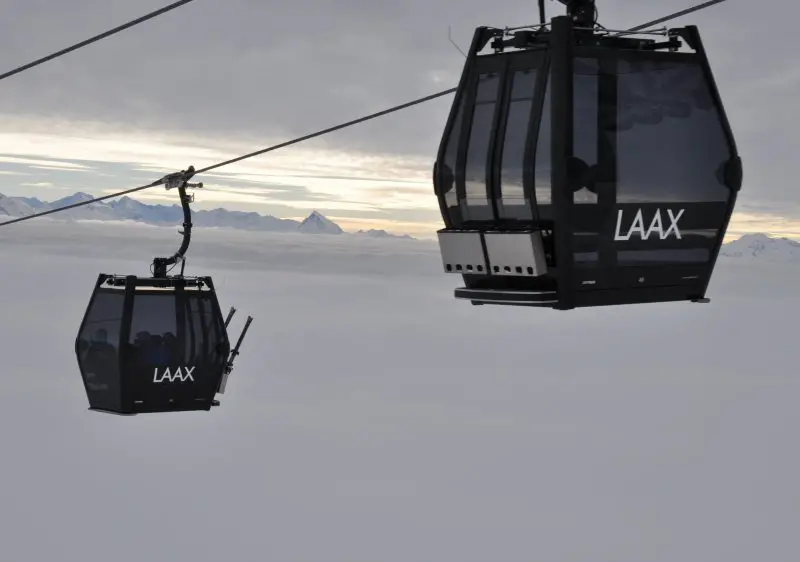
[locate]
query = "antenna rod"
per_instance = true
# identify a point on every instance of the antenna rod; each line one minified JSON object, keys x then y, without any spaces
{"x":450,"y":38}
{"x":542,"y":15}
{"x":231,"y":312}
{"x":234,"y":352}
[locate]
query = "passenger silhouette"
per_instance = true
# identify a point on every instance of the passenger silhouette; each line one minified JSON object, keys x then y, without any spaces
{"x":170,"y":343}
{"x":141,"y":344}
{"x":101,"y":361}
{"x":157,"y":353}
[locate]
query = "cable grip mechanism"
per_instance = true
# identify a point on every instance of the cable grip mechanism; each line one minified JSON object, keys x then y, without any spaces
{"x":179,"y":181}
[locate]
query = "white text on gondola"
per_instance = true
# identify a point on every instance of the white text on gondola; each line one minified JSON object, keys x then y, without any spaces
{"x":181,"y":374}
{"x":656,"y":226}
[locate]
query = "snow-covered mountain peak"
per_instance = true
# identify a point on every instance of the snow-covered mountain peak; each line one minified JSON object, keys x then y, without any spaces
{"x":316,"y":223}
{"x":762,"y":246}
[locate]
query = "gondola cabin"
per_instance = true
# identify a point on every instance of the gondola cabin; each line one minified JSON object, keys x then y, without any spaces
{"x":581,"y":168}
{"x":160,"y":343}
{"x":149,"y":346}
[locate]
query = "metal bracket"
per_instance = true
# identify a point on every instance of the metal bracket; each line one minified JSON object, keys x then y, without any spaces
{"x":582,"y":12}
{"x":180,"y":179}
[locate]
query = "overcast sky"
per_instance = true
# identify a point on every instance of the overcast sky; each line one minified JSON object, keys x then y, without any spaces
{"x":216,"y":78}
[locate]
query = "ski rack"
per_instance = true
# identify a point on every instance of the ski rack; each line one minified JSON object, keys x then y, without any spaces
{"x":234,"y":352}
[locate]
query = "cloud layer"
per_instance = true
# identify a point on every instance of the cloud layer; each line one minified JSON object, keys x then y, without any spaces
{"x":373,"y":418}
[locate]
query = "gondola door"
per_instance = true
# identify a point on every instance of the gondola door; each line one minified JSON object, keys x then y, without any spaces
{"x":650,"y":175}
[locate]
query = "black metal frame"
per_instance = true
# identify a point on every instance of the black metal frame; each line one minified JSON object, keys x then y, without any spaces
{"x":561,"y":146}
{"x":734,"y":172}
{"x":534,"y":118}
{"x":561,"y":45}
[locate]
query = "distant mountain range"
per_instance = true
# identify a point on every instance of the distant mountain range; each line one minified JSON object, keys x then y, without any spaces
{"x":749,"y":246}
{"x":762,"y":247}
{"x":126,"y":208}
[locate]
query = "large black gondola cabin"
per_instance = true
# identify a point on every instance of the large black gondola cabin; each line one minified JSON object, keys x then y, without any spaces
{"x":581,"y":167}
{"x":156,"y":344}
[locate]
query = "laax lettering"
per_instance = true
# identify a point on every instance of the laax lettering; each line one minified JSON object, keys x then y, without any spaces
{"x":182,"y":374}
{"x":656,"y":226}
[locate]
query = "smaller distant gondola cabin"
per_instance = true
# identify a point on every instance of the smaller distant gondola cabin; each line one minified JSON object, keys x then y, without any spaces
{"x":152,"y":345}
{"x":578,"y":168}
{"x":160,"y":343}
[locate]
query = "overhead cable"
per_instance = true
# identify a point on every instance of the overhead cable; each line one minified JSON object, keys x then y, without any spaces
{"x":91,"y":40}
{"x":237,"y":159}
{"x":318,"y":133}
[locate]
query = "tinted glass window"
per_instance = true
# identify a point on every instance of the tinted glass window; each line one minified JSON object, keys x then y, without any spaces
{"x":542,"y":165}
{"x":154,"y":330}
{"x":449,"y":166}
{"x":98,"y":347}
{"x":205,"y":331}
{"x":478,"y":147}
{"x":585,"y":123}
{"x":514,"y":204}
{"x":662,"y":257}
{"x":670,"y":142}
